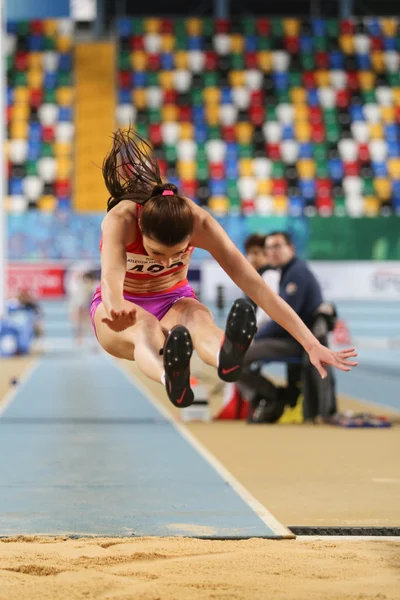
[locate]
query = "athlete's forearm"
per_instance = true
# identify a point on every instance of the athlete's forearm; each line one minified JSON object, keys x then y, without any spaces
{"x":112,"y":285}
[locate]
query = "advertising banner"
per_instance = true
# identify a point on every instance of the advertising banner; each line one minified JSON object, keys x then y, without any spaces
{"x":43,"y":281}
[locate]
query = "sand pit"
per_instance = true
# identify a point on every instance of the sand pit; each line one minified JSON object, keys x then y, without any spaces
{"x":180,"y":569}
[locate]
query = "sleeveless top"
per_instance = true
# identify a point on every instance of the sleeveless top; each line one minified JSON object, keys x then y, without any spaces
{"x":141,"y":267}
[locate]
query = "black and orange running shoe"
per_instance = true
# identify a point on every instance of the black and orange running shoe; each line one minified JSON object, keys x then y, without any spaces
{"x":178,"y":349}
{"x":240,"y":329}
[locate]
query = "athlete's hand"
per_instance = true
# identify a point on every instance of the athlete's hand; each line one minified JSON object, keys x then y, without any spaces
{"x":121,"y":317}
{"x":321,"y":355}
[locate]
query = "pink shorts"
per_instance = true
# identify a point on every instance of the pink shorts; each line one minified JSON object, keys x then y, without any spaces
{"x":157,"y":305}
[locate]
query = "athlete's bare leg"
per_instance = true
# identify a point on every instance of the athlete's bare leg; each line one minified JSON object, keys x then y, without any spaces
{"x":206,"y":336}
{"x":141,"y":342}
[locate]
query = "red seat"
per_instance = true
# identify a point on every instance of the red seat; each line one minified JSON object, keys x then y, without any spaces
{"x":322,"y":60}
{"x":217,"y":170}
{"x":323,"y":187}
{"x":248,"y":207}
{"x":324,"y":205}
{"x":343,"y":98}
{"x":257,"y":114}
{"x":185,"y":113}
{"x":309,"y":79}
{"x":48,"y":134}
{"x":315,"y":114}
{"x":9,"y":111}
{"x":397,"y":113}
{"x":273,"y":151}
{"x":37,"y":27}
{"x":36,"y":98}
{"x":279,"y":187}
{"x":263,"y":27}
{"x":353,"y":81}
{"x":363,"y":152}
{"x":167,"y":26}
{"x":155,"y":134}
{"x":347,"y":27}
{"x":137,"y":42}
{"x":153,"y":62}
{"x":257,"y":98}
{"x":318,"y":132}
{"x":210,"y":61}
{"x":9,"y":169}
{"x":351,"y":169}
{"x":292,"y":44}
{"x":222,"y":25}
{"x":125,"y":80}
{"x":163,"y":167}
{"x":21,"y":61}
{"x":376,"y":43}
{"x":63,"y":188}
{"x":189,"y":188}
{"x":251,"y":60}
{"x":170,"y":96}
{"x":229,"y":133}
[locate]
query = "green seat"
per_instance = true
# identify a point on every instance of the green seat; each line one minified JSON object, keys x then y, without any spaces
{"x":202,"y":170}
{"x":124,"y":61}
{"x":23,"y":27}
{"x":295,"y":79}
{"x":153,"y":79}
{"x":137,"y":26}
{"x":368,"y":96}
{"x":197,"y":97}
{"x":283,"y":96}
{"x":368,"y":188}
{"x":307,"y":61}
{"x":181,"y":42}
{"x":201,"y":154}
{"x":154,"y":116}
{"x":277,"y":28}
{"x":330,"y":116}
{"x":278,"y":169}
{"x":65,"y":80}
{"x":333,"y":133}
{"x":50,"y":97}
{"x":10,"y":62}
{"x":49,"y":43}
{"x":237,"y":61}
{"x":322,"y":168}
{"x":20,"y":79}
{"x":340,"y":207}
{"x":321,"y":43}
{"x":214,"y":132}
{"x":394,"y":79}
{"x":180,"y":27}
{"x":208,"y":27}
{"x":320,"y":152}
{"x":264,"y":43}
{"x":245,"y":150}
{"x":143,"y":130}
{"x":170,"y":152}
{"x":332,"y":27}
{"x":31,"y":167}
{"x":235,"y":203}
{"x":211,"y":79}
{"x":270,"y":112}
{"x":47,"y":150}
{"x":233,"y":193}
{"x":249,"y":26}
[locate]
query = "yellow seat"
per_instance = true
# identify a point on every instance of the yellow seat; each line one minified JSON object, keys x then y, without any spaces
{"x":50,"y":27}
{"x":396,"y":95}
{"x":211,"y":95}
{"x":8,"y":204}
{"x":47,"y":203}
{"x":306,"y":168}
{"x":394,"y":167}
{"x":138,"y":60}
{"x":21,"y":95}
{"x":280,"y":205}
{"x":219,"y":204}
{"x":291,"y":27}
{"x":264,"y":60}
{"x":35,"y":60}
{"x":65,"y":96}
{"x":20,"y":112}
{"x":376,"y":131}
{"x":186,"y":131}
{"x":152,"y":25}
{"x":300,"y":113}
{"x":212,"y":114}
{"x":367,"y":80}
{"x":64,"y":43}
{"x":62,"y":149}
{"x":187,"y":169}
{"x":35,"y":79}
{"x":264,"y":187}
{"x":170,"y":113}
{"x":371,"y":206}
{"x":6,"y":146}
{"x":323,"y":78}
{"x":246,"y":167}
{"x":181,"y":59}
{"x":346,"y":43}
{"x":64,"y":167}
{"x":244,"y":133}
{"x":383,"y":187}
{"x":236,"y":78}
{"x":237,"y":42}
{"x":166,"y":79}
{"x":388,"y":114}
{"x":167,"y":42}
{"x":389,"y":26}
{"x":194,"y":26}
{"x":139,"y":98}
{"x":377,"y":61}
{"x":298,"y":95}
{"x":19,"y":130}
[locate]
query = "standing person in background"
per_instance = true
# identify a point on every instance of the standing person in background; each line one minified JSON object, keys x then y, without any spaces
{"x":80,"y":287}
{"x":256,"y":255}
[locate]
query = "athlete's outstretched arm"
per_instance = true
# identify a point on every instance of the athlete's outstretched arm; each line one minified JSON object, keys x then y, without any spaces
{"x":210,"y":236}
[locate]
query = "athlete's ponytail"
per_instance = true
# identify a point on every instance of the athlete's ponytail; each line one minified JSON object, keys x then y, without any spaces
{"x":131,"y":172}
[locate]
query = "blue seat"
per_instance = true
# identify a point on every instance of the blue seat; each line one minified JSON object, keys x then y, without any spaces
{"x":391,"y":133}
{"x":374,"y":26}
{"x":50,"y":81}
{"x":139,"y":79}
{"x":64,"y":204}
{"x":296,"y":205}
{"x":35,"y":133}
{"x":65,"y":113}
{"x":16,"y":186}
{"x":281,"y":80}
{"x":195,"y":42}
{"x":65,"y":62}
{"x":288,"y":132}
{"x":231,"y":151}
{"x":124,"y":97}
{"x":306,"y":44}
{"x":11,"y":26}
{"x":336,"y":59}
{"x":356,"y":112}
{"x":226,"y":95}
{"x":198,"y":115}
{"x":34,"y":149}
{"x":389,"y":43}
{"x":232,"y":171}
{"x":250,"y":43}
{"x":167,"y":61}
{"x":200,"y":133}
{"x":217,"y":187}
{"x":319,"y":27}
{"x":393,"y":149}
{"x":307,"y":188}
{"x":312,"y":97}
{"x":10,"y":96}
{"x":124,"y":27}
{"x":363,"y":61}
{"x":396,"y":189}
{"x":306,"y":150}
{"x":335,"y":169}
{"x":379,"y":169}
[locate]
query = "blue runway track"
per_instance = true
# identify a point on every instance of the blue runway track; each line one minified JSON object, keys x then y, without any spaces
{"x":84,"y":452}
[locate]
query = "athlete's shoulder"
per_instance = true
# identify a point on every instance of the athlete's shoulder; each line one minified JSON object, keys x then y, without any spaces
{"x":126,"y":210}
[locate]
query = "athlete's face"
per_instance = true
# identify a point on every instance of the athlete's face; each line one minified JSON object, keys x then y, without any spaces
{"x":164,"y":255}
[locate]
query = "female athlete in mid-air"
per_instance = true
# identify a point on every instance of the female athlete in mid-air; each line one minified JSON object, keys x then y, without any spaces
{"x":145,"y":309}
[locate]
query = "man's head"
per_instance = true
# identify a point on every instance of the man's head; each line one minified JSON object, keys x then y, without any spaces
{"x":279,"y":248}
{"x":255,"y":251}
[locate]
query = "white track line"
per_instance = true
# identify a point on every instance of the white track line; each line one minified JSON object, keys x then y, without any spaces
{"x":10,"y":396}
{"x":260,"y":510}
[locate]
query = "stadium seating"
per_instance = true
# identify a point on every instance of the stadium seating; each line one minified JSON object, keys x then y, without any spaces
{"x":39,"y":114}
{"x":268,"y":116}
